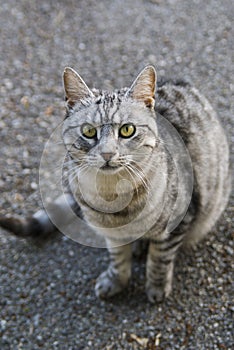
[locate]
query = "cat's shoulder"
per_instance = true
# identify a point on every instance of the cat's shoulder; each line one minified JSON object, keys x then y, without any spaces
{"x":164,"y":82}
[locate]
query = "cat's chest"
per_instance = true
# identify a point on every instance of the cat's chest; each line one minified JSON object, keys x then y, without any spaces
{"x":103,"y":193}
{"x":117,"y":206}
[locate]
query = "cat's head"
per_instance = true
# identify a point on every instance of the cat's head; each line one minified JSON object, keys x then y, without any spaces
{"x":110,"y":131}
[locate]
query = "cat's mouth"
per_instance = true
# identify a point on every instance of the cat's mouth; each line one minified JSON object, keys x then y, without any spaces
{"x":110,"y":167}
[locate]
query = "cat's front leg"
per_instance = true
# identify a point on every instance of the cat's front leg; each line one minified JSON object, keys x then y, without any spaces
{"x":159,"y":268}
{"x":116,"y":277}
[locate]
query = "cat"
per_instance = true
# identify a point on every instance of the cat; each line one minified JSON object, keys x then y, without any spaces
{"x":112,"y":137}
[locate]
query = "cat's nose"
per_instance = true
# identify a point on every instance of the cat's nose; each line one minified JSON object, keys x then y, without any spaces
{"x":107,"y":156}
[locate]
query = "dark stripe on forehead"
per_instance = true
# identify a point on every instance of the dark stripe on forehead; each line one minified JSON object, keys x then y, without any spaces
{"x":108,"y":103}
{"x":98,"y":115}
{"x":117,"y":108}
{"x":106,"y":107}
{"x":105,"y":103}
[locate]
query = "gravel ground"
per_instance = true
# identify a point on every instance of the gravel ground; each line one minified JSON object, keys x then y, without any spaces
{"x":47,"y":298}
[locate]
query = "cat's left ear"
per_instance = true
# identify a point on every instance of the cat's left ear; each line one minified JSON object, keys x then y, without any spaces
{"x":75,"y":88}
{"x":143,"y":88}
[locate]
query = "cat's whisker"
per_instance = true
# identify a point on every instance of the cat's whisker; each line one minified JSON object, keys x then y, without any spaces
{"x":134,"y":180}
{"x":73,"y":177}
{"x":141,"y":175}
{"x":70,"y":170}
{"x":145,"y":163}
{"x":137,"y":173}
{"x":61,"y":165}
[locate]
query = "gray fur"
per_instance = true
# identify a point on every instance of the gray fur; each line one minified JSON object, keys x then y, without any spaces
{"x":142,"y":160}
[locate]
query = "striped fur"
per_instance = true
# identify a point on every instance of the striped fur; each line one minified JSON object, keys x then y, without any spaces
{"x":144,"y":161}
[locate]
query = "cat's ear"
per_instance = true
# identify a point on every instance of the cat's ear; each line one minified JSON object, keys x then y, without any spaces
{"x":143,"y":88}
{"x":75,"y":88}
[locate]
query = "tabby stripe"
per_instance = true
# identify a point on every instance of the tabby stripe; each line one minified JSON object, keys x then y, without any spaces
{"x":148,"y":127}
{"x":99,"y":113}
{"x":106,"y":109}
{"x":165,"y":261}
{"x":83,"y":144}
{"x":179,"y":95}
{"x":173,"y":235}
{"x":117,"y":264}
{"x":117,"y":108}
{"x":111,"y":273}
{"x":162,"y":92}
{"x":116,"y":252}
{"x":170,"y":246}
{"x":158,"y":271}
{"x":159,"y":282}
{"x":71,"y":127}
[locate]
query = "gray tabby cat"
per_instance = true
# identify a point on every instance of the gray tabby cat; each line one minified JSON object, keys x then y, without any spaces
{"x":114,"y":136}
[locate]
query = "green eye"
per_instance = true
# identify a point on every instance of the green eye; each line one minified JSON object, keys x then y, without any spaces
{"x":127,"y":130}
{"x":88,"y":131}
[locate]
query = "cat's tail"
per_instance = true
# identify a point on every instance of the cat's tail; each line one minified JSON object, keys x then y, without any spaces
{"x":41,"y":225}
{"x":33,"y":227}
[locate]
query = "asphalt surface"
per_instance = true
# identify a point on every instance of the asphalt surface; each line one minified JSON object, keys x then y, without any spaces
{"x":47,"y":293}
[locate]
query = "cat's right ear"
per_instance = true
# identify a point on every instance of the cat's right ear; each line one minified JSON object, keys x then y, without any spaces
{"x":75,"y":88}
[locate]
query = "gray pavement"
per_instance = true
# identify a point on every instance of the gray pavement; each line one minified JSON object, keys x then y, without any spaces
{"x":47,"y":298}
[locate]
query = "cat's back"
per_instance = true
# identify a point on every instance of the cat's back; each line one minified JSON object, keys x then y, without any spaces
{"x":199,"y":127}
{"x":189,"y":112}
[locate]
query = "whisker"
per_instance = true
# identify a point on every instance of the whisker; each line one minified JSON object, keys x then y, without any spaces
{"x":141,"y":175}
{"x":135,"y":183}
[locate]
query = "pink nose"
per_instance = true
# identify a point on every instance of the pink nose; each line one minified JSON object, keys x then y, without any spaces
{"x":107,"y":156}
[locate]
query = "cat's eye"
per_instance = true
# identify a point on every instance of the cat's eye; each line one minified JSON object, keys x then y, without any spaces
{"x":127,"y":130}
{"x":88,"y":131}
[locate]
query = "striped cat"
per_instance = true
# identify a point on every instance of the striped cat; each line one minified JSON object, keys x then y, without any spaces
{"x":124,"y":181}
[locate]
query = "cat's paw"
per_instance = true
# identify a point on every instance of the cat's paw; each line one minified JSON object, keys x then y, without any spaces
{"x":107,"y":286}
{"x":156,"y":294}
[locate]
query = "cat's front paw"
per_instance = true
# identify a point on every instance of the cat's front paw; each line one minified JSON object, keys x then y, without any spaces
{"x":156,"y":294}
{"x":107,"y":286}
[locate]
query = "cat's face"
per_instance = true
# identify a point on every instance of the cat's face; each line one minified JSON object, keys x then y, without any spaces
{"x":110,"y":131}
{"x":126,"y":136}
